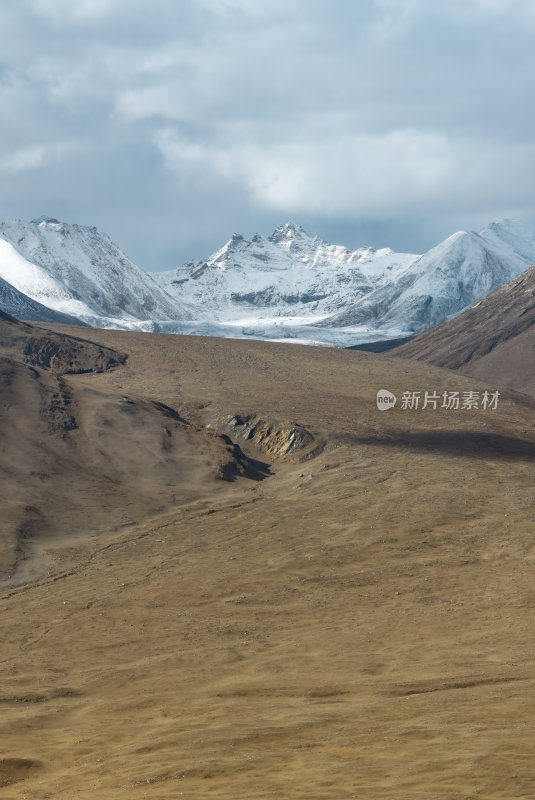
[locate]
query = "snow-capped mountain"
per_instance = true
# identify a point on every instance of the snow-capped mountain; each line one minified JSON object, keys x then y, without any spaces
{"x":291,"y":285}
{"x":79,"y":271}
{"x":458,"y":272}
{"x":288,"y":274}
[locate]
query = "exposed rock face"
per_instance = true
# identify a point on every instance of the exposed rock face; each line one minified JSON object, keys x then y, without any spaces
{"x":65,"y":354}
{"x":273,"y":437}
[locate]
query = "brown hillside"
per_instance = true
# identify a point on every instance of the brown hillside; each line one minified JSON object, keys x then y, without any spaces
{"x":356,"y":624}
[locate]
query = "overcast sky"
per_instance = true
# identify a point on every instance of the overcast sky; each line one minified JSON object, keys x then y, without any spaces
{"x":172,"y":124}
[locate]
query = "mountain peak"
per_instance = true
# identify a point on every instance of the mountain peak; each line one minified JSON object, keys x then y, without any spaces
{"x":287,"y":232}
{"x":505,"y":222}
{"x":234,"y":243}
{"x":511,"y":227}
{"x":45,"y":219}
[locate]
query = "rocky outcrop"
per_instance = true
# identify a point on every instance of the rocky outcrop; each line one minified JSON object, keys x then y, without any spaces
{"x":272,"y":437}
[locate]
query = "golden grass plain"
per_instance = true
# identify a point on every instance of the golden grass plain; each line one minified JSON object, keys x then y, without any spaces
{"x":356,"y":624}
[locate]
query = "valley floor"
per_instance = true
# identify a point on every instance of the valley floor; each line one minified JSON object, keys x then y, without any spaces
{"x":357,"y":623}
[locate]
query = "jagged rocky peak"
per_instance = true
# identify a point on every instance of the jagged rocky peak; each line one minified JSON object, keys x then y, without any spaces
{"x":235,"y":241}
{"x":45,"y":220}
{"x":51,"y":226}
{"x":260,"y":241}
{"x":288,"y":232}
{"x":234,"y":244}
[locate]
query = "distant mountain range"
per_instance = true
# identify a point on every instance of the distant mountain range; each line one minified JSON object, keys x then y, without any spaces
{"x":285,"y":286}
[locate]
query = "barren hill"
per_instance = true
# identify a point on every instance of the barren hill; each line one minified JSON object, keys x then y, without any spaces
{"x":353,"y":619}
{"x":81,"y":459}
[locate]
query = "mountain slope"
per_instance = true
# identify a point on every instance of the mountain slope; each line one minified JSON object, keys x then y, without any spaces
{"x":494,"y":340}
{"x":21,"y":306}
{"x":61,"y":353}
{"x":81,"y":459}
{"x":78,"y":270}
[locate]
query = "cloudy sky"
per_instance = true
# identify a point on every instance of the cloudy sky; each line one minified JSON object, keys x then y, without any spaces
{"x":172,"y":124}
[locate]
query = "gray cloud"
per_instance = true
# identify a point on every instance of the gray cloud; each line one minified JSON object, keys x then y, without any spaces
{"x":383,"y":122}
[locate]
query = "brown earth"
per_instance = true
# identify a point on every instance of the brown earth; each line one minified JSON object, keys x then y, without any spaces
{"x":59,"y":352}
{"x":78,"y":451}
{"x":492,"y":341}
{"x":354,"y":620}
